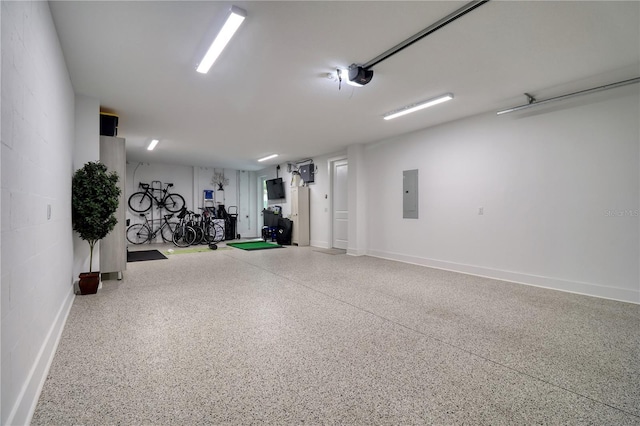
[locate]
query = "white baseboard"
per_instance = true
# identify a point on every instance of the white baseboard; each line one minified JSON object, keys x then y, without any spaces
{"x":357,"y":252}
{"x":589,"y":289}
{"x":23,"y":410}
{"x":319,"y":244}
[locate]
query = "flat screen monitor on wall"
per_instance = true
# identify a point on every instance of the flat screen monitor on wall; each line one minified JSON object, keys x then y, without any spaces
{"x":275,"y":189}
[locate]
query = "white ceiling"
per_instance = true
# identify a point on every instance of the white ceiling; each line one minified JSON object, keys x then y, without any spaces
{"x":268,"y":92}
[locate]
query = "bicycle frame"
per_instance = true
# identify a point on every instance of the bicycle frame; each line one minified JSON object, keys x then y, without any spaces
{"x":144,"y":200}
{"x":140,"y":233}
{"x":150,"y":191}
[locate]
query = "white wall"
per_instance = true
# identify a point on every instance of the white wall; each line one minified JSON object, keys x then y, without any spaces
{"x":36,"y":152}
{"x":87,"y":131}
{"x":245,"y":203}
{"x":320,"y":203}
{"x":86,"y":148}
{"x":559,"y":187}
{"x":271,"y":173}
{"x":319,"y":198}
{"x":358,"y":195}
{"x":182,"y":178}
{"x":190,"y":182}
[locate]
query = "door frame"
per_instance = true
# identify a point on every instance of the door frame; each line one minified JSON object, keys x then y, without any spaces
{"x":331,"y":172}
{"x":259,"y":203}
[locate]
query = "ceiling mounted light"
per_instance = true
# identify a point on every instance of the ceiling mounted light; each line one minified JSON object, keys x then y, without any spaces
{"x":152,"y":144}
{"x":234,"y":19}
{"x":268,"y":157}
{"x":417,"y":107}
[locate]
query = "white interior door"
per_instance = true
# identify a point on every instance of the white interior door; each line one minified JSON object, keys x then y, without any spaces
{"x":340,"y":199}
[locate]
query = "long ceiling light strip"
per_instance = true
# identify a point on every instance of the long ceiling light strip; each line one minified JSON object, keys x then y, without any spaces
{"x":533,"y":102}
{"x":268,"y":157}
{"x":233,"y":22}
{"x":417,"y":107}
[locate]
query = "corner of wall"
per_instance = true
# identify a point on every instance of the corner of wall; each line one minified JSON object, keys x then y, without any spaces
{"x":86,"y":148}
{"x":25,"y":406}
{"x":36,"y":207}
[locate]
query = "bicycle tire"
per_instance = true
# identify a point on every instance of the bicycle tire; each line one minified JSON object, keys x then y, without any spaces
{"x":173,"y":203}
{"x":138,"y":233}
{"x":140,"y":202}
{"x":184,"y":236}
{"x":209,"y":232}
{"x":207,"y":237}
{"x":217,"y":233}
{"x":167,"y":231}
{"x":199,"y":234}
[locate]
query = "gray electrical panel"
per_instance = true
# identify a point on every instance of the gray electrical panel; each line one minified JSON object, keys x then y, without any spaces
{"x":410,"y":194}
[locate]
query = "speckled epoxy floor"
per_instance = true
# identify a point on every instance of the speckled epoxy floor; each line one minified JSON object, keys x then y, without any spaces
{"x":291,"y":336}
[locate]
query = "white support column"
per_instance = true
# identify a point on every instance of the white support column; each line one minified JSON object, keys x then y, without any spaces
{"x":86,"y":148}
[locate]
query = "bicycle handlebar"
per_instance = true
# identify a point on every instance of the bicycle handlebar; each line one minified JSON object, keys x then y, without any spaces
{"x":146,"y":185}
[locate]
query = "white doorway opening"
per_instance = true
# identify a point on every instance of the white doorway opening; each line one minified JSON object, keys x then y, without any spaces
{"x":262,"y":203}
{"x":339,"y":203}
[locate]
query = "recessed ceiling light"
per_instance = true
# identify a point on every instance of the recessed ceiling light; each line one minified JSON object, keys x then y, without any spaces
{"x":152,"y":144}
{"x":417,"y":107}
{"x":235,"y":18}
{"x":268,"y":157}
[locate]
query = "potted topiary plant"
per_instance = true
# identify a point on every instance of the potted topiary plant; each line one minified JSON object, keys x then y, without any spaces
{"x":94,"y":200}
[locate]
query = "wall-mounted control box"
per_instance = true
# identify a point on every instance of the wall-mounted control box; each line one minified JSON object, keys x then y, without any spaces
{"x":307,"y":172}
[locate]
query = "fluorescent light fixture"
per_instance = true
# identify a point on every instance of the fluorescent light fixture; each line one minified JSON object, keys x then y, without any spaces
{"x":152,"y":144}
{"x":268,"y":157}
{"x":417,"y":107}
{"x":235,"y":18}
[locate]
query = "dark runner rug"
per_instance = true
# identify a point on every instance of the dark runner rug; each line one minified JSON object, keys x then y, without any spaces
{"x":141,"y":256}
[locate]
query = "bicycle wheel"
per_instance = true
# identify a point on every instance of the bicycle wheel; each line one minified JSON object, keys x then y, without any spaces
{"x":184,"y":236}
{"x":173,"y":203}
{"x":199,"y":234}
{"x":216,"y":233}
{"x":138,"y":233}
{"x":208,"y":233}
{"x":167,"y":231}
{"x":140,"y":202}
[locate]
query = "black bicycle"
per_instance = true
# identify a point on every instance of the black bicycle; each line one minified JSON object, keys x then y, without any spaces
{"x":212,"y":232}
{"x":184,"y":235}
{"x":141,"y":233}
{"x":142,"y":201}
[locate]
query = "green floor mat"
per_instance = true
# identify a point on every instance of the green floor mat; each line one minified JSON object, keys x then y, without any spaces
{"x":254,"y":245}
